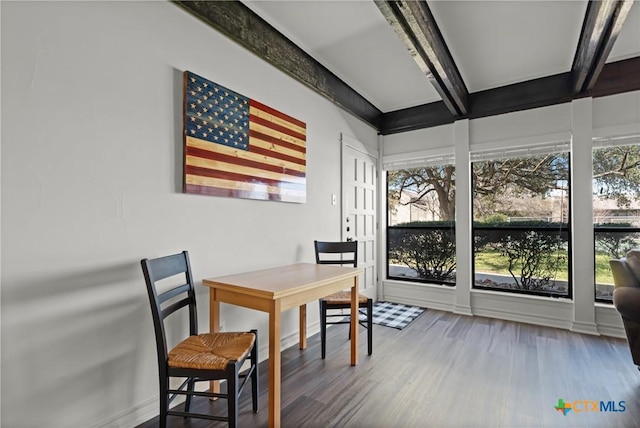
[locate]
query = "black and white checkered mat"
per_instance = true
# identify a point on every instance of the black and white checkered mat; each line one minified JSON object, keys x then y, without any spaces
{"x":393,"y":315}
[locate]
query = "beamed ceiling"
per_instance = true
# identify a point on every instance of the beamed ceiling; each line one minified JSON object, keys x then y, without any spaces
{"x":406,"y":65}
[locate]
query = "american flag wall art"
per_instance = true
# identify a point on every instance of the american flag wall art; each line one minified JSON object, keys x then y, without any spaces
{"x":237,"y":147}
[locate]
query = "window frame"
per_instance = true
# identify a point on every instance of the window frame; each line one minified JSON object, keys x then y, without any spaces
{"x":603,"y":143}
{"x":424,"y":161}
{"x":565,"y":228}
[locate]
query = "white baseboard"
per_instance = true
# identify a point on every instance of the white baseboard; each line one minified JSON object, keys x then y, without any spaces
{"x":585,"y":328}
{"x":422,"y":295}
{"x":548,"y":312}
{"x":609,"y":321}
{"x":132,"y":417}
{"x":463,"y":310}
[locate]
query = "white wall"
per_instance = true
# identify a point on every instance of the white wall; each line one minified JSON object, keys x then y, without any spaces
{"x":608,"y":116}
{"x":524,"y":124}
{"x":617,"y":113}
{"x":91,"y":179}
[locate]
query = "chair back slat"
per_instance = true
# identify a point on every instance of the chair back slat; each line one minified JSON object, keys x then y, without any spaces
{"x":165,"y":267}
{"x":168,"y":310}
{"x":348,"y":250}
{"x":169,"y":294}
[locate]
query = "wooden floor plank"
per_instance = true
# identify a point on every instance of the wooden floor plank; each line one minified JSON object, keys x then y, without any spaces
{"x":448,"y":370}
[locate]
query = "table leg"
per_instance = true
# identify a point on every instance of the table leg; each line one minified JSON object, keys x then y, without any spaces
{"x":303,"y":326}
{"x":214,"y":327}
{"x":274,"y":364}
{"x":354,"y":322}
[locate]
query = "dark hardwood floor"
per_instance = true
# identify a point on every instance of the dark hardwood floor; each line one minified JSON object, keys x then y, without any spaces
{"x":448,"y":370}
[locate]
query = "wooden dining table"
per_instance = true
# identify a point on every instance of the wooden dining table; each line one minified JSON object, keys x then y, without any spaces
{"x":279,"y":289}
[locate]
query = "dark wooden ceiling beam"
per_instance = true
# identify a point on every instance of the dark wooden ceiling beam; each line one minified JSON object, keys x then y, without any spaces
{"x":616,"y":78}
{"x":243,"y":26}
{"x":414,"y":23}
{"x":418,"y":117}
{"x":541,"y":92}
{"x":601,"y":26}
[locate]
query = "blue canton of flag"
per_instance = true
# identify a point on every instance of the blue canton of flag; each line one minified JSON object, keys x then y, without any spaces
{"x":215,"y":113}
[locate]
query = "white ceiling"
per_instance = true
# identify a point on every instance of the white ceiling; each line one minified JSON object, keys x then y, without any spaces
{"x":494,"y":43}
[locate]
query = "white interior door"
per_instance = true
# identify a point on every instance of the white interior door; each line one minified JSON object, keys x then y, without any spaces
{"x":359,"y":220}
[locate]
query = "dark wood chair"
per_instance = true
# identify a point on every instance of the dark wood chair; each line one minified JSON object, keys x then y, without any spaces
{"x":199,"y":357}
{"x":341,"y":253}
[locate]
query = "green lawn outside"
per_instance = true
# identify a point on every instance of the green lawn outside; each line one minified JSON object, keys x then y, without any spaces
{"x":492,"y":261}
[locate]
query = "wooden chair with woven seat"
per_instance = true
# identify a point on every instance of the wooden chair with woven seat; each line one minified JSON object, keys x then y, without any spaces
{"x":199,"y":357}
{"x":341,"y":253}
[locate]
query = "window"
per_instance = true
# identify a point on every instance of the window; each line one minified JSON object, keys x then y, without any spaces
{"x":521,"y":221}
{"x":421,"y":224}
{"x":616,"y":206}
